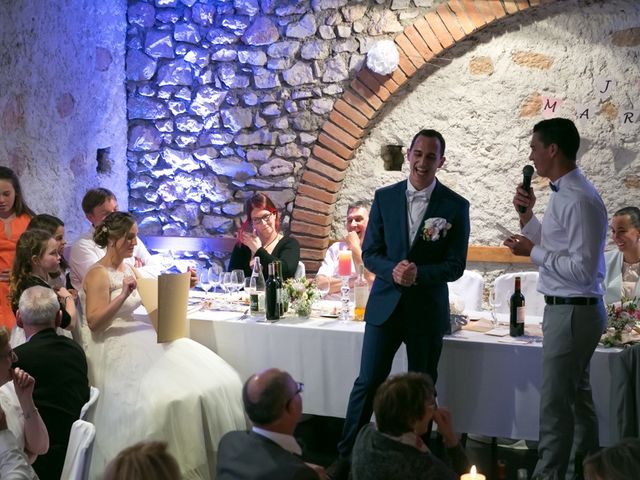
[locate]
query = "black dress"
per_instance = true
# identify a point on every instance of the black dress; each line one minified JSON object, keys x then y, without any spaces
{"x":287,"y":250}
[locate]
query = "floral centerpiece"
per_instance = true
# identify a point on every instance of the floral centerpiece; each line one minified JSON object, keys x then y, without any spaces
{"x":301,"y":293}
{"x":621,"y":318}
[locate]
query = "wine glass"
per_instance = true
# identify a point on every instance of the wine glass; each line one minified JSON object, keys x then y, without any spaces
{"x":205,"y":282}
{"x":225,"y":283}
{"x":215,"y":275}
{"x":237,"y":280}
{"x":166,"y":260}
{"x":495,"y":302}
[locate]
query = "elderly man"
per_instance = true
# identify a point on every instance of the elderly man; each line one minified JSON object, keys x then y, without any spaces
{"x":268,"y":451}
{"x":97,"y":204}
{"x":59,"y":367}
{"x":357,"y":219}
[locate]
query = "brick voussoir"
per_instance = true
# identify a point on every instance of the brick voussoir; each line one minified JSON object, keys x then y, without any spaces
{"x":450,"y":22}
{"x":318,"y":194}
{"x":311,"y":217}
{"x":323,"y":168}
{"x":409,"y":50}
{"x":347,"y":125}
{"x":335,"y":146}
{"x":439,"y":29}
{"x":318,"y":180}
{"x":479,"y":14}
{"x":309,"y":203}
{"x":463,"y":18}
{"x":406,"y":65}
{"x":329,"y":157}
{"x":373,"y":84}
{"x":307,"y":241}
{"x":309,"y":228}
{"x":342,"y":136}
{"x":425,"y":31}
{"x":497,"y":9}
{"x":354,"y":100}
{"x":312,"y":254}
{"x":362,"y":90}
{"x":350,"y":112}
{"x":418,"y":42}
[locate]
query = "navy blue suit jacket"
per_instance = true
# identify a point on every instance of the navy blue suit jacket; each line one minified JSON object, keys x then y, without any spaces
{"x":386,"y":243}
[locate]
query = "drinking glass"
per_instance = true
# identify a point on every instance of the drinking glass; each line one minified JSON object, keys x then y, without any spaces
{"x":225,"y":283}
{"x":237,"y":280}
{"x":495,"y":304}
{"x":215,"y":275}
{"x":166,"y":260}
{"x":205,"y":283}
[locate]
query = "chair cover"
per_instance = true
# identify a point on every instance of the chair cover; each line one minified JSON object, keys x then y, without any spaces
{"x":76,"y":461}
{"x":468,"y":288}
{"x":504,"y":285}
{"x":94,"y":393}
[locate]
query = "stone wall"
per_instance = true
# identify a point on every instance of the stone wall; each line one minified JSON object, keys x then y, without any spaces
{"x":61,"y":99}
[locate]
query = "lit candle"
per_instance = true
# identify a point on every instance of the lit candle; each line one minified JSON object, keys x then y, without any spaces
{"x":472,"y":475}
{"x":344,"y":263}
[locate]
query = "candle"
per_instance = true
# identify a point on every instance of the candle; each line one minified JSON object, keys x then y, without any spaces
{"x":472,"y":475}
{"x":344,"y":263}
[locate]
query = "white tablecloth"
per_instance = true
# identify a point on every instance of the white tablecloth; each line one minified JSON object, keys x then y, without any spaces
{"x":491,"y":385}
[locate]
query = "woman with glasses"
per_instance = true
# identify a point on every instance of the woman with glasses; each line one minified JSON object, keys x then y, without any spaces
{"x":260,"y":237}
{"x":16,"y":402}
{"x":393,"y":447}
{"x":179,"y":392}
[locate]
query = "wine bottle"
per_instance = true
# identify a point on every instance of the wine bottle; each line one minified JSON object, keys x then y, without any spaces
{"x":361,"y":294}
{"x":272,"y":306}
{"x":282,"y":301}
{"x":257,"y":289}
{"x":516,"y":319}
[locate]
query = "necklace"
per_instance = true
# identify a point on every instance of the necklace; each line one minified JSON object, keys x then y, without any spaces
{"x":274,"y":239}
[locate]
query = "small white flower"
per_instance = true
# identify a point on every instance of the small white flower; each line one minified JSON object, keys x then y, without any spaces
{"x":434,"y":227}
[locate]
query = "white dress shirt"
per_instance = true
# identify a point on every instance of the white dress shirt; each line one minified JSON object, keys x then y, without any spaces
{"x":287,"y":442}
{"x":569,"y":244}
{"x":85,"y":253}
{"x":416,"y":207}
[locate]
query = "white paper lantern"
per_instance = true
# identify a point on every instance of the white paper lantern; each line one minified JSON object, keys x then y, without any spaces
{"x":383,"y":58}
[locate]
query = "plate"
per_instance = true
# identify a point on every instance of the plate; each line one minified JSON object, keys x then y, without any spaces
{"x":329,"y":315}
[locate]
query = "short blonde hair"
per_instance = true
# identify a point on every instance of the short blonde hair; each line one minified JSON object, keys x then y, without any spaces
{"x":143,"y":461}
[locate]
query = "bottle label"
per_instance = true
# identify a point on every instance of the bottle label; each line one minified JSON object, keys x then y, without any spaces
{"x":254,"y":303}
{"x":520,"y":315}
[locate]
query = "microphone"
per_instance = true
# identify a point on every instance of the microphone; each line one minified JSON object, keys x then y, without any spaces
{"x":527,"y":173}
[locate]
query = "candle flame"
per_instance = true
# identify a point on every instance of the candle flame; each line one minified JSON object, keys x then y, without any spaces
{"x":473,"y":471}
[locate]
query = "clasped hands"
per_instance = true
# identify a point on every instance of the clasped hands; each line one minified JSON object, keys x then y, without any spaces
{"x":405,"y":273}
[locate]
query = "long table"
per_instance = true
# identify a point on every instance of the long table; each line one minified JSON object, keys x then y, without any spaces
{"x":491,"y":385}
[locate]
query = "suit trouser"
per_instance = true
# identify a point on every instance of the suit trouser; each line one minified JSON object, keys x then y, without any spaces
{"x":568,"y":422}
{"x":379,"y":346}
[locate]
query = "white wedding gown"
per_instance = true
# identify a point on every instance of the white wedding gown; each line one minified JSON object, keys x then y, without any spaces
{"x":179,"y":392}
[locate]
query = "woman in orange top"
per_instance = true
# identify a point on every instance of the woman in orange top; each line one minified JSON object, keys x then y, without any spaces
{"x":15,"y":216}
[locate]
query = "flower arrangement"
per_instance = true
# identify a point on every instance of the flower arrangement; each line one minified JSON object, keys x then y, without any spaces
{"x":621,"y":318}
{"x":434,"y":227}
{"x":383,"y":58}
{"x":301,"y":294}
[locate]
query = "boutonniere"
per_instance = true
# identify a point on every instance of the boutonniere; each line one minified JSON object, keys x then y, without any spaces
{"x":434,"y":227}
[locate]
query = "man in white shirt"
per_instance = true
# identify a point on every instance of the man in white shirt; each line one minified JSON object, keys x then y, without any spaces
{"x":568,"y":248}
{"x":357,"y":219}
{"x":269,"y":450}
{"x":97,"y":203}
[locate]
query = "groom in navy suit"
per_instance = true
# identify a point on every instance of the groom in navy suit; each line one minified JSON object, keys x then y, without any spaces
{"x":416,"y":241}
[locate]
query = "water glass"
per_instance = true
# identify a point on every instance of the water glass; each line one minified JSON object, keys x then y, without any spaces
{"x":323,"y":284}
{"x":237,"y":280}
{"x":215,"y":275}
{"x":205,"y":283}
{"x":495,"y":303}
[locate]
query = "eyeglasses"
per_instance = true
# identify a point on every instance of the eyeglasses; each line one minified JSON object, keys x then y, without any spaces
{"x":262,"y":219}
{"x":299,"y":389}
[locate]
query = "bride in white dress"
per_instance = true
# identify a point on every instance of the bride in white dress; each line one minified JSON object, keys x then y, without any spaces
{"x":179,"y":392}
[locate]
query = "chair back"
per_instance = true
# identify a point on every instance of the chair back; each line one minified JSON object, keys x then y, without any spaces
{"x":504,"y":285}
{"x":469,"y":288}
{"x":300,"y":271}
{"x":77,"y":459}
{"x":94,"y":393}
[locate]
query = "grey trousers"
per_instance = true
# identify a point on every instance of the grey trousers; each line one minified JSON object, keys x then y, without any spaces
{"x":568,"y":422}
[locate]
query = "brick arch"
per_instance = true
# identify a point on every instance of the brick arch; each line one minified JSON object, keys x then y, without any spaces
{"x":355,"y":113}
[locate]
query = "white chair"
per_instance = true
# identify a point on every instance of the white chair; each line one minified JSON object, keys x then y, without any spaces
{"x":300,"y":271}
{"x":77,"y":459}
{"x":469,"y":288}
{"x":94,"y":393}
{"x":504,"y":286}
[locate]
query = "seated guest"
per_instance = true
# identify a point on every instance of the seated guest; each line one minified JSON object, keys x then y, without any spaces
{"x":14,"y":464}
{"x":55,"y":227}
{"x":15,"y":216}
{"x":619,"y":462}
{"x":179,"y":392}
{"x":392,"y":448}
{"x":143,"y":461}
{"x":357,"y":219}
{"x":59,"y":367}
{"x":268,"y":451}
{"x":97,"y":204}
{"x":36,"y":257}
{"x":260,"y":236}
{"x":623,"y":263}
{"x":16,"y":401}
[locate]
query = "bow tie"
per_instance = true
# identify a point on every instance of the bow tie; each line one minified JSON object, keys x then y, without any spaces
{"x":421,"y":196}
{"x":553,"y":187}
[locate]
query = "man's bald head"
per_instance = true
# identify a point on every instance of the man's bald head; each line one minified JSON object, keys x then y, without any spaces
{"x":266,"y":394}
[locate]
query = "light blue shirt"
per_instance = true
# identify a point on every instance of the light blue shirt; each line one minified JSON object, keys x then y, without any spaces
{"x":569,"y":243}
